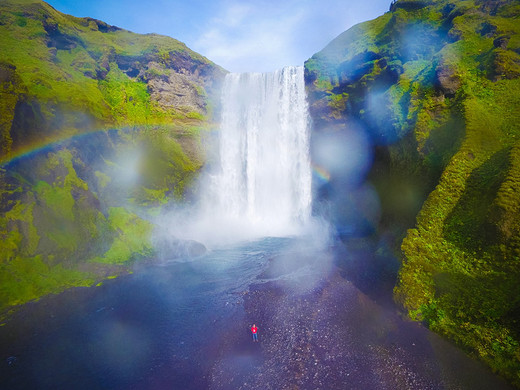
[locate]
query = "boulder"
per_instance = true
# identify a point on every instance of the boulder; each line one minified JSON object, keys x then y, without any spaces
{"x":446,"y":80}
{"x":501,"y":42}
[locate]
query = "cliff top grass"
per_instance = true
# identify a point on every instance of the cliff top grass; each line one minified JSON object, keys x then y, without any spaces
{"x":30,"y":15}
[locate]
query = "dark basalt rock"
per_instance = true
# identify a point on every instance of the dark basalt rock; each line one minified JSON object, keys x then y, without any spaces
{"x":488,"y":30}
{"x":91,"y":74}
{"x":26,"y":125}
{"x":501,"y":42}
{"x":446,"y":80}
{"x":7,"y":72}
{"x":505,"y":65}
{"x":8,"y":195}
{"x":408,"y":5}
{"x":389,"y":74}
{"x":132,"y":65}
{"x":492,"y":6}
{"x":447,"y":10}
{"x":58,"y":39}
{"x":102,"y":26}
{"x":192,"y":248}
{"x":352,"y":70}
{"x":168,"y":248}
{"x":134,"y":72}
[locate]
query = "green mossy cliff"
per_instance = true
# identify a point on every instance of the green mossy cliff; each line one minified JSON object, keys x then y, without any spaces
{"x":100,"y":129}
{"x":435,"y":86}
{"x":62,"y":75}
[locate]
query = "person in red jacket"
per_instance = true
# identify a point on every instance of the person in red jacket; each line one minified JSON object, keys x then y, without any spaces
{"x":254,"y":330}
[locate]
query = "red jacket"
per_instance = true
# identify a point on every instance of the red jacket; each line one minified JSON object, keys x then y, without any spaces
{"x":254,"y":329}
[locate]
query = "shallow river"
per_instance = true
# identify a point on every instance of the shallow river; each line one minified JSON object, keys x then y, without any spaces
{"x":178,"y":325}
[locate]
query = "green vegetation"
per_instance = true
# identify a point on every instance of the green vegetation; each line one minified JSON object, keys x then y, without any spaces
{"x":75,"y":224}
{"x":24,"y":279}
{"x":133,"y":240}
{"x":167,"y":170}
{"x":435,"y":84}
{"x":83,"y":75}
{"x":75,"y":212}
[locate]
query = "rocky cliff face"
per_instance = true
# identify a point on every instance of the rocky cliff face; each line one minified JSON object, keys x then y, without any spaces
{"x":62,"y":74}
{"x":433,"y":86}
{"x":110,"y":123}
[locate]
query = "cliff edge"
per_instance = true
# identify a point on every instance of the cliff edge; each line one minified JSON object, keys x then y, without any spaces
{"x":434,"y":86}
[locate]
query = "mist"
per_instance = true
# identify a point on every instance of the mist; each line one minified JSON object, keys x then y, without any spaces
{"x":260,"y":182}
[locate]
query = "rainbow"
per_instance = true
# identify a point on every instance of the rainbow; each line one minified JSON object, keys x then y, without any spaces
{"x":321,"y":173}
{"x":39,"y":145}
{"x":33,"y":148}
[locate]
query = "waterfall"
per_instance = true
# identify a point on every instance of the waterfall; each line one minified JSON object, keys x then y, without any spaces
{"x":263,"y":182}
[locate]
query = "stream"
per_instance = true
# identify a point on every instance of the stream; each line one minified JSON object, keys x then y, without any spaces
{"x":184,"y":324}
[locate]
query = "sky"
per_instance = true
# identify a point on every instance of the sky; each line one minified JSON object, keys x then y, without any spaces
{"x":239,"y":35}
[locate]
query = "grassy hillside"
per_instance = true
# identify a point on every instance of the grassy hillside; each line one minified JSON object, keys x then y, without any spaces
{"x":435,"y":85}
{"x":99,"y":129}
{"x":63,"y":75}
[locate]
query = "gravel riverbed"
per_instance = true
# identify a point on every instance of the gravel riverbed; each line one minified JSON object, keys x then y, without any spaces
{"x":320,"y":332}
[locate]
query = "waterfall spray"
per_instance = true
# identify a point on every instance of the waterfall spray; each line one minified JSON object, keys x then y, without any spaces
{"x":261,"y":184}
{"x":264,"y":179}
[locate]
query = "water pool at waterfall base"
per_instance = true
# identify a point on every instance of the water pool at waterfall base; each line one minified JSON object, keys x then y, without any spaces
{"x":186,"y":325}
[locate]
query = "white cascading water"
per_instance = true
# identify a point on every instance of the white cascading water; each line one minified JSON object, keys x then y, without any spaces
{"x":263,"y":186}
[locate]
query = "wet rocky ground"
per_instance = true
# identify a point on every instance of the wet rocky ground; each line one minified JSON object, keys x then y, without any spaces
{"x":187,"y":326}
{"x":318,"y":331}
